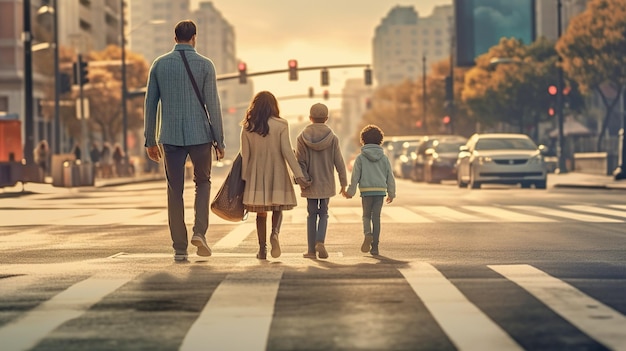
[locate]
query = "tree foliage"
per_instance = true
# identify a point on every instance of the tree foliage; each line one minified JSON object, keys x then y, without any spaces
{"x":594,"y":52}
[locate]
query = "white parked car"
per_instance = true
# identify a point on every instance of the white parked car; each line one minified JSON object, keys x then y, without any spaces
{"x":501,"y":158}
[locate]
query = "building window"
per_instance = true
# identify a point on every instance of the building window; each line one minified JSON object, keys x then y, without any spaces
{"x":4,"y":103}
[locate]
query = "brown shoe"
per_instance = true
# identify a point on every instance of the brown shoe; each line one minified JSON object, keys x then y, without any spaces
{"x":275,"y":245}
{"x":321,"y":250}
{"x":367,"y":243}
{"x":309,"y":255}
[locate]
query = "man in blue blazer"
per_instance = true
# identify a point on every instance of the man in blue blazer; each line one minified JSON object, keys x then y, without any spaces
{"x":175,"y":118}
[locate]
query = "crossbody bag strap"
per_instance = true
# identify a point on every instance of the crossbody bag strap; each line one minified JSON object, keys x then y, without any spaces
{"x":195,"y":88}
{"x":195,"y":85}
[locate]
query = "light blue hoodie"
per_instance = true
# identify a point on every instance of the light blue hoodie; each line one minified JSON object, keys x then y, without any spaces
{"x":372,"y":173}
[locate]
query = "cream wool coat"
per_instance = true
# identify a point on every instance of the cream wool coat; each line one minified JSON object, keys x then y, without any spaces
{"x":264,"y":166}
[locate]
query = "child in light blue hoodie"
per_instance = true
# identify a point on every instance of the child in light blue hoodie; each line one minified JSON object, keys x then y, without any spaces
{"x":373,"y":175}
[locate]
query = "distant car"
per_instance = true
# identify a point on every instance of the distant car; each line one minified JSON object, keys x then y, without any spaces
{"x":393,"y":145}
{"x":501,"y":158}
{"x":420,"y":158}
{"x":441,"y":161}
{"x":404,"y":162}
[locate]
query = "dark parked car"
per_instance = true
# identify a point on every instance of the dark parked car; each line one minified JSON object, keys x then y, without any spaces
{"x":420,"y":158}
{"x":403,"y":164}
{"x":441,"y":161}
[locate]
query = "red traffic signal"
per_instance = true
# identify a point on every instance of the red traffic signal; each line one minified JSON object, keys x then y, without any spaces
{"x":446,"y":119}
{"x":551,"y":111}
{"x":293,"y":69}
{"x":243,"y":72}
{"x":552,"y":90}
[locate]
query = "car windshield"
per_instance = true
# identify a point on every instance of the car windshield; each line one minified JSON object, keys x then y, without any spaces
{"x":505,"y":144}
{"x":448,"y":147}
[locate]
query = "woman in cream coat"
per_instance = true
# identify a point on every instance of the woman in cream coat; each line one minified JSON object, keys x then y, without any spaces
{"x":266,"y":151}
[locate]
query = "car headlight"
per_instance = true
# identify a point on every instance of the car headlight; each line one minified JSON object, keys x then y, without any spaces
{"x":536,"y":159}
{"x":484,"y":159}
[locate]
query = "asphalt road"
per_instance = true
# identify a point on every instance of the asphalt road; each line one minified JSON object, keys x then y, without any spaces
{"x":500,"y":268}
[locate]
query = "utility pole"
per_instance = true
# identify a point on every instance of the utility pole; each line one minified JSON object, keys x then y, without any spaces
{"x":562,"y":167}
{"x":124,"y":94}
{"x":56,"y":133}
{"x":424,"y":93}
{"x":28,"y":85}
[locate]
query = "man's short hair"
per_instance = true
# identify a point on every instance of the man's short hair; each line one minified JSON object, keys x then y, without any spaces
{"x":185,"y":30}
{"x":372,"y":134}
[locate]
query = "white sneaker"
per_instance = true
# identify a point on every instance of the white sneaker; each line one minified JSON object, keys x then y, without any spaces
{"x":180,"y":257}
{"x":203,"y":247}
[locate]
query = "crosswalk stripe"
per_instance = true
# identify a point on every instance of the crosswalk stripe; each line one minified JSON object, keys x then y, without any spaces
{"x":235,"y":236}
{"x":27,"y":331}
{"x":565,"y":214}
{"x":505,"y":215}
{"x":466,"y":326}
{"x":594,"y":318}
{"x":403,"y":215}
{"x":243,"y":301}
{"x":596,"y":210}
{"x":445,"y":213}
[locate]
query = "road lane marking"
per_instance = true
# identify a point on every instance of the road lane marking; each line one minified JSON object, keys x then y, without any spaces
{"x":235,"y":237}
{"x":466,"y":326}
{"x":592,"y":317}
{"x":505,"y":215}
{"x":25,"y":332}
{"x":403,"y":215}
{"x":596,"y":210}
{"x":445,"y":213}
{"x":233,"y":308}
{"x":566,"y":214}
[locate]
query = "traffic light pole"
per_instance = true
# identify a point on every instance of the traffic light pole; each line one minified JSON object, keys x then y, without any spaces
{"x":562,"y":167}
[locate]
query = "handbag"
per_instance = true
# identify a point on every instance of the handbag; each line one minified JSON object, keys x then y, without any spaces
{"x":206,"y":111}
{"x":228,"y":202}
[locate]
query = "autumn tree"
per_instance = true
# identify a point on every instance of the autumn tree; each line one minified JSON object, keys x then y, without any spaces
{"x":513,"y":89}
{"x":594,"y":53}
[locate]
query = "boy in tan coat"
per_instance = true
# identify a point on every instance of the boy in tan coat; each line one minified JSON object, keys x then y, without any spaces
{"x":319,"y":155}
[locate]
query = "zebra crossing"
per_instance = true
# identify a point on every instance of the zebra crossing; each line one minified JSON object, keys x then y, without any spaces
{"x":612,"y":213}
{"x":246,"y":300}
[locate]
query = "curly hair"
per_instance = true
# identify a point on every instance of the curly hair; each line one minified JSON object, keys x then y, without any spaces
{"x":263,"y":106}
{"x":372,"y":134}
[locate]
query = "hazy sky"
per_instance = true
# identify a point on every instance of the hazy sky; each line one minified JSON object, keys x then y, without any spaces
{"x":314,"y":32}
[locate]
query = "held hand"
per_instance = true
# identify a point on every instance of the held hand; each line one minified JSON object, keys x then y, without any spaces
{"x":154,"y":153}
{"x":303,"y":182}
{"x":342,"y":191}
{"x":219,"y":153}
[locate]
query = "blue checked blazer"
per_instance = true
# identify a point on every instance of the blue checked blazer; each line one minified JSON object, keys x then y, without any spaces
{"x":172,"y":113}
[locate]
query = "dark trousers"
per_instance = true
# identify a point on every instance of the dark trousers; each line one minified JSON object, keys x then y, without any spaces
{"x":175,"y":158}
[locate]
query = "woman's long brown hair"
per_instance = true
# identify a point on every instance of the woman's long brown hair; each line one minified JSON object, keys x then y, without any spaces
{"x":262,"y":107}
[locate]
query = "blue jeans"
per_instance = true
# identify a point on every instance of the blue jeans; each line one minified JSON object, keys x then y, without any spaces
{"x":372,"y":207}
{"x":175,"y":158}
{"x":316,"y":221}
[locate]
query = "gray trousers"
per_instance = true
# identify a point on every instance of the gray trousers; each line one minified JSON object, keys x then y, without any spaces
{"x":175,"y":158}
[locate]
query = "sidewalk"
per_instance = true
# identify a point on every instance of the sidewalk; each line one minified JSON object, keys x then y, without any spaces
{"x":585,"y":181}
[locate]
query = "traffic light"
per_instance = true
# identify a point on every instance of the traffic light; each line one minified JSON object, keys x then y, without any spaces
{"x":311,"y":94}
{"x":325,"y":94}
{"x":368,"y":76}
{"x":243,"y":72}
{"x":324,"y":77}
{"x":65,"y":83}
{"x":81,"y":71}
{"x":552,"y":90}
{"x":446,"y":120}
{"x":293,"y":69}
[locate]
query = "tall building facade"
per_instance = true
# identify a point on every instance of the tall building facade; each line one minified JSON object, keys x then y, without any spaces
{"x":83,"y":25}
{"x":546,"y":15}
{"x":403,"y":38}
